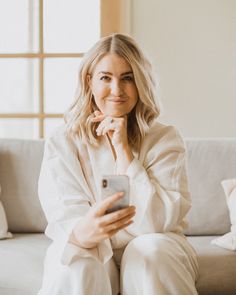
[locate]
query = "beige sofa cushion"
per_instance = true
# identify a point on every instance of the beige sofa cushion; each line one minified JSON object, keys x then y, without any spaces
{"x":228,"y":241}
{"x":217,"y":267}
{"x":209,"y":162}
{"x":4,"y":234}
{"x":21,"y":264}
{"x":19,"y":171}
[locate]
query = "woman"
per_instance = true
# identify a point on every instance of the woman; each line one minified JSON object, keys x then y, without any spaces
{"x":111,"y":129}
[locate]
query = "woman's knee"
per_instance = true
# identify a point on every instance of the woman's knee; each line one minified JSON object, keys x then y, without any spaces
{"x":149,"y":248}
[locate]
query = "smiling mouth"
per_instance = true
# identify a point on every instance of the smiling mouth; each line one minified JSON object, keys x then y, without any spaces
{"x":117,"y":100}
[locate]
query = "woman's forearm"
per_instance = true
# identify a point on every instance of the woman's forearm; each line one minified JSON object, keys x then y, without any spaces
{"x":124,"y":158}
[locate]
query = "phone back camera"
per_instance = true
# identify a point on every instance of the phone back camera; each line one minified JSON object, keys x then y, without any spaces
{"x":104,"y":183}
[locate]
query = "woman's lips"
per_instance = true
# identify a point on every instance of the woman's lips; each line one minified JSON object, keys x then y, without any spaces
{"x":117,"y":100}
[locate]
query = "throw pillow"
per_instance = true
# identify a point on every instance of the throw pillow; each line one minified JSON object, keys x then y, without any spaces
{"x":4,"y":234}
{"x":228,"y":241}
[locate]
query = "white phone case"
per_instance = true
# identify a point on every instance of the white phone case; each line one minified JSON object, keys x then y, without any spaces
{"x":111,"y":184}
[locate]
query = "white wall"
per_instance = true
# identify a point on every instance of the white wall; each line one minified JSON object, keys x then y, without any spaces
{"x":193,"y":47}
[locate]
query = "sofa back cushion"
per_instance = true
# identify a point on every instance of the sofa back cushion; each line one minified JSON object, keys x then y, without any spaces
{"x":209,"y":162}
{"x":20,"y":162}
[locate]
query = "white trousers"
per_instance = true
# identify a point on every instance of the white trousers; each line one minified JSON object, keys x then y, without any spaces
{"x":151,"y":264}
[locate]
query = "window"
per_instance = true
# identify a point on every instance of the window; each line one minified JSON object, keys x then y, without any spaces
{"x":41,"y":46}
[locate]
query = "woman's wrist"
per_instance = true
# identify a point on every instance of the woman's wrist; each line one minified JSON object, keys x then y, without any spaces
{"x":124,"y":158}
{"x":75,"y":241}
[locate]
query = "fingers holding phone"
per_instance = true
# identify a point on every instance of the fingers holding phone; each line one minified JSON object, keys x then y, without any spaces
{"x":118,"y":211}
{"x":109,"y":202}
{"x":97,"y":225}
{"x":117,"y":220}
{"x":107,"y":217}
{"x":115,"y":213}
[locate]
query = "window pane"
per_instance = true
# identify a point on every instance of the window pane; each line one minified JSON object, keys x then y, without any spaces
{"x":19,"y":128}
{"x":19,"y":85}
{"x":19,"y":26}
{"x":50,"y":125}
{"x":60,"y":82}
{"x":71,"y":26}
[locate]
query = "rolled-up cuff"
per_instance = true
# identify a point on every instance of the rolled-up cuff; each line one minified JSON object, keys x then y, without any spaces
{"x":69,"y":252}
{"x":103,"y":252}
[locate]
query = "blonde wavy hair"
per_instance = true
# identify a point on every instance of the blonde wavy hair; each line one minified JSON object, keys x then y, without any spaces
{"x":78,"y":116}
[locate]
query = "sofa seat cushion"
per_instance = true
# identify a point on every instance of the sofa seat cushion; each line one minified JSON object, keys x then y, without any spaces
{"x":21,"y":264}
{"x":217,"y":267}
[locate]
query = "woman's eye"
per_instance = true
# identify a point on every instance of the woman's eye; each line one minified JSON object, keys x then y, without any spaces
{"x":105,"y":78}
{"x":128,"y":78}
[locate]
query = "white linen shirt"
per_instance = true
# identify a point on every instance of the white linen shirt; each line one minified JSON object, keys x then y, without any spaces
{"x":69,"y":184}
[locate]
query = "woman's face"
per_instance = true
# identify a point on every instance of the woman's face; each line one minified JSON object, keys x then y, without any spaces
{"x":113,"y":87}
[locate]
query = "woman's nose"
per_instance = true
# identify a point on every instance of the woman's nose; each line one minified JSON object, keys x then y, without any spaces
{"x":116,"y":88}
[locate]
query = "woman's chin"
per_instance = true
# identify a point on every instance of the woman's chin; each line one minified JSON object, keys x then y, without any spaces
{"x":114,"y":114}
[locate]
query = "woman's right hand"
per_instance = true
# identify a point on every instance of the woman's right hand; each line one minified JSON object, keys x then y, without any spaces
{"x":97,"y":226}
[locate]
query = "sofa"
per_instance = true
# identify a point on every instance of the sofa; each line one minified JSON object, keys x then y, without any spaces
{"x":21,"y":257}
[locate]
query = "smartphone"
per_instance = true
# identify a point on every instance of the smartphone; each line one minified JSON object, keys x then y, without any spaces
{"x":111,"y":184}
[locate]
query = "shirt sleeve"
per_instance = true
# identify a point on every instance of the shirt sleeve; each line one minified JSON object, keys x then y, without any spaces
{"x":158,"y":186}
{"x":64,"y":203}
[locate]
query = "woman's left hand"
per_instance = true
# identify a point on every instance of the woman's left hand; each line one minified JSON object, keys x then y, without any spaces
{"x":116,"y":128}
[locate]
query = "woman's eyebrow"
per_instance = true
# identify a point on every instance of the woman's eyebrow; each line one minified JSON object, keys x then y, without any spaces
{"x":127,"y":73}
{"x":109,"y":73}
{"x":106,"y":73}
